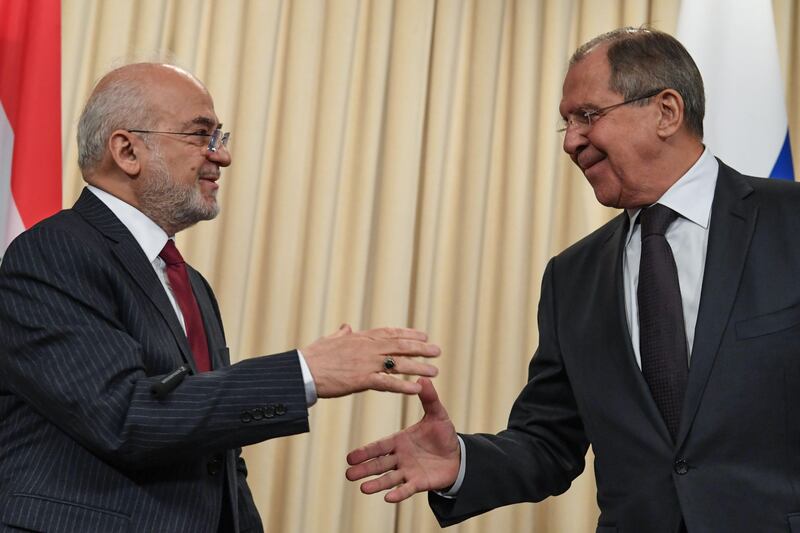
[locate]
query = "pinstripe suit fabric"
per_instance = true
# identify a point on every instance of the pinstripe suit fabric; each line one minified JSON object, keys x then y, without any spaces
{"x":85,"y":330}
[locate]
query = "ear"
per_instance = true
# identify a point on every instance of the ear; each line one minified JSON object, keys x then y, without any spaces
{"x":123,"y":147}
{"x":670,"y":108}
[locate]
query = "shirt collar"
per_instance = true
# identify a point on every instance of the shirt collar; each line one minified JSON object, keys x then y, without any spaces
{"x":692,"y":195}
{"x":148,"y":234}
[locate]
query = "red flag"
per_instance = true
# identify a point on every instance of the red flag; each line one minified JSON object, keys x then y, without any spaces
{"x":30,"y":114}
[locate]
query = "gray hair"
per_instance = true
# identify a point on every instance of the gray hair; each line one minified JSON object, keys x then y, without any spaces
{"x":118,"y":102}
{"x":643,"y":59}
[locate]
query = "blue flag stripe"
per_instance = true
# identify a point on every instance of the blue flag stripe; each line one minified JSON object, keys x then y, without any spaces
{"x":783,"y":169}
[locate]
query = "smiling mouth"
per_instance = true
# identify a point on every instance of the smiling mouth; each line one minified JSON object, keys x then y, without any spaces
{"x":589,"y":164}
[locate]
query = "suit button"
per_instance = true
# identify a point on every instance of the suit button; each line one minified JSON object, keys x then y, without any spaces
{"x":214,"y":465}
{"x":280,"y":409}
{"x":269,"y":411}
{"x":681,"y":467}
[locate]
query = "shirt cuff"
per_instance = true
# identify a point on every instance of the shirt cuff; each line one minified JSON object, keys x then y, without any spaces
{"x":308,"y":381}
{"x":452,"y":492}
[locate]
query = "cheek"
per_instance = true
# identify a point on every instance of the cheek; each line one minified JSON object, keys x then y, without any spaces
{"x":189,"y":164}
{"x":187,"y":171}
{"x":185,"y":166}
{"x":618,"y":154}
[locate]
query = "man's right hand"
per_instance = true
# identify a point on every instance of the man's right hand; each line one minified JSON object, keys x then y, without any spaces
{"x":423,"y":457}
{"x":347,"y":362}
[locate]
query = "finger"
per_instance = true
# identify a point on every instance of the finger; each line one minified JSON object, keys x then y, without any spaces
{"x":407,"y":347}
{"x":386,"y":383}
{"x":388,"y":480}
{"x":379,"y":465}
{"x":400,"y":493}
{"x":396,"y":333}
{"x":343,"y":330}
{"x":430,"y":400}
{"x":371,"y":451}
{"x":409,"y":367}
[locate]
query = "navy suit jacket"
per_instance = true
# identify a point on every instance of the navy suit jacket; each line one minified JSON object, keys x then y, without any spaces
{"x":86,"y":328}
{"x":736,"y":464}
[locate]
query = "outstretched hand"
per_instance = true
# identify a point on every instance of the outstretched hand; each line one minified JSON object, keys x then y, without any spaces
{"x":346,"y":362}
{"x":425,"y":456}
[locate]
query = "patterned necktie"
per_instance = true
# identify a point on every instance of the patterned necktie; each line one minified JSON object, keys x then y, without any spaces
{"x":182,"y":290}
{"x":662,"y":334}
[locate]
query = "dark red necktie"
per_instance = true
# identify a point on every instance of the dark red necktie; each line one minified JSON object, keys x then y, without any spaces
{"x":182,"y":290}
{"x":662,"y":333}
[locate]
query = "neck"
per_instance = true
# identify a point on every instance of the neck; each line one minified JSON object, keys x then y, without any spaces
{"x":676,"y":160}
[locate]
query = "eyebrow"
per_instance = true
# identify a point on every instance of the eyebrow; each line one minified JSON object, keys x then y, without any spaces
{"x":586,"y":106}
{"x":202,"y":121}
{"x":583,"y":106}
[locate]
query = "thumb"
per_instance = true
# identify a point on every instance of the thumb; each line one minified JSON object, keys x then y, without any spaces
{"x":343,"y":330}
{"x":430,"y":400}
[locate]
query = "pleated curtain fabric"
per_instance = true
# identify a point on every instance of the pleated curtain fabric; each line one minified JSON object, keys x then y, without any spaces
{"x":395,"y":162}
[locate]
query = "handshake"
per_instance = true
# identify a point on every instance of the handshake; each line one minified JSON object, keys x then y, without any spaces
{"x":425,"y":456}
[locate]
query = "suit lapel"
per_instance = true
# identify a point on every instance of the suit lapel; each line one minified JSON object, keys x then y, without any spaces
{"x":214,"y":335}
{"x":733,"y":221}
{"x":613,"y":282}
{"x":132,"y":258}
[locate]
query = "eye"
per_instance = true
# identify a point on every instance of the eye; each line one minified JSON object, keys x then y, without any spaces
{"x":584,"y":116}
{"x":202,"y":132}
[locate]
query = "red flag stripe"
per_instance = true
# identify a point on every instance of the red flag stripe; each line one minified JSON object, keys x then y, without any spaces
{"x":30,"y":91}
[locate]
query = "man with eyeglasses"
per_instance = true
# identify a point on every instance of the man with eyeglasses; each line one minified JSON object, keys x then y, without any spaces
{"x":120,"y":409}
{"x":669,"y":339}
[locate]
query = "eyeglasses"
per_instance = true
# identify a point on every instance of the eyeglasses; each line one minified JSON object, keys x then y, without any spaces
{"x":587,"y":118}
{"x":215,"y":141}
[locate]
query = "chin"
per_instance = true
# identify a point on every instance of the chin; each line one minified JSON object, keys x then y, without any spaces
{"x":608,"y":198}
{"x":604,"y":196}
{"x":609,"y":202}
{"x":607,"y":189}
{"x":213,"y":210}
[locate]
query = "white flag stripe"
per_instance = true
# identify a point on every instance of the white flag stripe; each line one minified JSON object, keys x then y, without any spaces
{"x":737,"y":53}
{"x":14,"y":224}
{"x":6,"y":200}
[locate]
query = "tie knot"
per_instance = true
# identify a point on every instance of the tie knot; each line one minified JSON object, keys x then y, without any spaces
{"x":170,"y":254}
{"x":656,"y":219}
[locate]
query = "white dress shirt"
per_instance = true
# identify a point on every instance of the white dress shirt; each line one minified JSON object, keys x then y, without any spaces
{"x":151,"y":239}
{"x":691,"y":197}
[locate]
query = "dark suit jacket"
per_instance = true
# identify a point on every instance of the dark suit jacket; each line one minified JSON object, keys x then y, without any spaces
{"x":736,"y":464}
{"x":86,"y":328}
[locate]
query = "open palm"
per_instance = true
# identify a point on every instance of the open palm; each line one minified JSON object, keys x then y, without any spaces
{"x":425,"y":456}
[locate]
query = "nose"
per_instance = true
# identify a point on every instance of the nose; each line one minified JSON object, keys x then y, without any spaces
{"x":574,"y":141}
{"x":221,"y":157}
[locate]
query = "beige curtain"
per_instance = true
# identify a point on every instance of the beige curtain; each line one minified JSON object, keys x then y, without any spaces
{"x":395,"y":163}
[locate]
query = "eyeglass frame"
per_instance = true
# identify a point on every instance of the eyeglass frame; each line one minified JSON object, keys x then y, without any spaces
{"x":214,"y":142}
{"x":601,"y":112}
